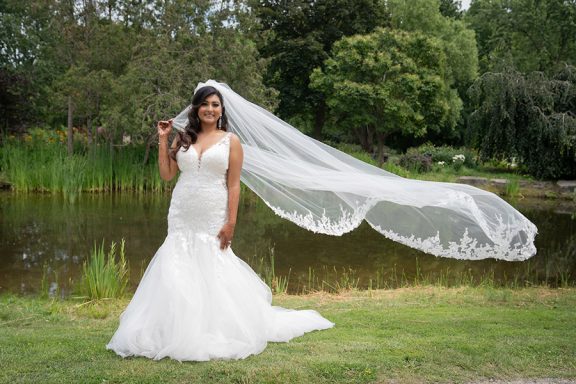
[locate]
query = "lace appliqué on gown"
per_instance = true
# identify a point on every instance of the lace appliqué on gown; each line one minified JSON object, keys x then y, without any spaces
{"x":196,"y":301}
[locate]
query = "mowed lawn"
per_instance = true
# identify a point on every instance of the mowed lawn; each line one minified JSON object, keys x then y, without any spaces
{"x":407,"y":335}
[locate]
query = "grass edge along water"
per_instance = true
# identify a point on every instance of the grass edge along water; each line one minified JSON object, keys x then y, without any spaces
{"x":106,"y":275}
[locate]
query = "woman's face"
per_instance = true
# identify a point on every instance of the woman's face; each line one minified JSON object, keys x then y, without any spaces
{"x":210,"y":110}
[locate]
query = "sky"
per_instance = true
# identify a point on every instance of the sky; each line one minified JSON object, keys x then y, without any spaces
{"x":465,"y":4}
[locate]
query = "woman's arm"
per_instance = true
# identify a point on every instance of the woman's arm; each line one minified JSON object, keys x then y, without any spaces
{"x":167,"y":166}
{"x":233,"y":184}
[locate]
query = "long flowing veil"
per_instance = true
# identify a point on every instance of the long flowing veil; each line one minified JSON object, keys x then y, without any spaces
{"x":327,"y":191}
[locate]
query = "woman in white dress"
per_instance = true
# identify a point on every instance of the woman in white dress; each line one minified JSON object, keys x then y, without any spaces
{"x":197,"y":300}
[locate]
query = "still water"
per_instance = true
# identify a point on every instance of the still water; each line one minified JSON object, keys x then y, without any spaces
{"x":47,"y":237}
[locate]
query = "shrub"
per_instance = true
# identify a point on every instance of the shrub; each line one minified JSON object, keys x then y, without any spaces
{"x":446,"y":153}
{"x":355,"y":151}
{"x":458,"y":161}
{"x":416,"y":162}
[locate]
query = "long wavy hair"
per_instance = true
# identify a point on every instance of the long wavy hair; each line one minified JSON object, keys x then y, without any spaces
{"x":194,"y":127}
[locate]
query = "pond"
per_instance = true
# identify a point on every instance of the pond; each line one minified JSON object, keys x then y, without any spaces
{"x":44,"y":239}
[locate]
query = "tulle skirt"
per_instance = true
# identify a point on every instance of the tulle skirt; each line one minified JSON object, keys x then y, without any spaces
{"x":197,"y":302}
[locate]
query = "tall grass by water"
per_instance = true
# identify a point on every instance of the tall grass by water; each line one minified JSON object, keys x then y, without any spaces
{"x":265,"y":267}
{"x":37,"y":166}
{"x":333,"y":279}
{"x":104,"y":274}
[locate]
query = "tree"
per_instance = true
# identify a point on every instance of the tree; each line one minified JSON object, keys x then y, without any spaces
{"x":384,"y":83}
{"x":451,"y":8}
{"x":122,"y":64}
{"x":532,"y":35}
{"x":168,"y":61}
{"x":459,"y":45}
{"x":24,"y":71}
{"x":527,"y":117}
{"x":298,"y":38}
{"x":458,"y":41}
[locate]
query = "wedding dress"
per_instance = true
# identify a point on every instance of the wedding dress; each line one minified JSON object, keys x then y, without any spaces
{"x":196,"y":301}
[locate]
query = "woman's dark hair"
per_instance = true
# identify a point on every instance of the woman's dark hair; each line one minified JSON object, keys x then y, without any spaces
{"x":193,"y":128}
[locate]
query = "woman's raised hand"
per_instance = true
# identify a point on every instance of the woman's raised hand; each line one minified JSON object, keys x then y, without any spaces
{"x":164,"y":128}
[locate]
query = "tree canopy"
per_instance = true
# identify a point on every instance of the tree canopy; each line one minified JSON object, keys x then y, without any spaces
{"x":386,"y":82}
{"x":357,"y":71}
{"x":531,"y":35}
{"x":122,"y":64}
{"x":298,"y":36}
{"x":531,"y":118}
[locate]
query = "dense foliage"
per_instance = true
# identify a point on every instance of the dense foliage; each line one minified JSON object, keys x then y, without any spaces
{"x":121,"y":65}
{"x":385,"y":83}
{"x":299,"y":36}
{"x":111,"y":68}
{"x":533,"y":35}
{"x":529,"y":117}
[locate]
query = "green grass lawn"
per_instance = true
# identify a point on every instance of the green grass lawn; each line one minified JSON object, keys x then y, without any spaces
{"x":408,"y":335}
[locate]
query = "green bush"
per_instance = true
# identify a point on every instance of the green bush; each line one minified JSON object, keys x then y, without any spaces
{"x":392,"y":167}
{"x":446,"y":154}
{"x":416,"y":162}
{"x":355,"y":151}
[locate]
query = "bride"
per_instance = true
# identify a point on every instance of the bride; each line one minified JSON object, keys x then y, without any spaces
{"x":197,"y":300}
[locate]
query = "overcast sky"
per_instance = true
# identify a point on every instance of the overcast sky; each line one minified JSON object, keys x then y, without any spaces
{"x":465,"y":4}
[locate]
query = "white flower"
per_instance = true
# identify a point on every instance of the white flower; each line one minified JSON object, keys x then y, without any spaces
{"x":441,"y":163}
{"x":460,"y":157}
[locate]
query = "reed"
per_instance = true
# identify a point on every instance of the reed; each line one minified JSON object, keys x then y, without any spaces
{"x":337,"y":280}
{"x":44,"y":284}
{"x":103,"y":276}
{"x":46,"y":167}
{"x":265,"y":267}
{"x":512,"y":188}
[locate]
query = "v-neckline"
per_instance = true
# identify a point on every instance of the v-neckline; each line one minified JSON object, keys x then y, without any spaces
{"x":200,"y":154}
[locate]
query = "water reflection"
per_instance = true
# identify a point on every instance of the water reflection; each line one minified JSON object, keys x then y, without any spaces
{"x":43,"y":235}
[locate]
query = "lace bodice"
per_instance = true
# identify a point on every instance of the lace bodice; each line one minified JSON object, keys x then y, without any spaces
{"x":200,"y":199}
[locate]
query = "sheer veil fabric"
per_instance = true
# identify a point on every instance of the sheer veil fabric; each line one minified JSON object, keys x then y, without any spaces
{"x":327,"y":191}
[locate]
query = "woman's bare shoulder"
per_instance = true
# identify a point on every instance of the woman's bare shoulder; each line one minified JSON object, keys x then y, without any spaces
{"x":234,"y":138}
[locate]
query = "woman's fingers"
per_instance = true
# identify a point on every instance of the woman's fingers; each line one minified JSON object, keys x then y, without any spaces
{"x":164,"y":127}
{"x":225,"y":239}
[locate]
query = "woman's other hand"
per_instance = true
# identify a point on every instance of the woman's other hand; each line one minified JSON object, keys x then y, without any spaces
{"x":225,"y":235}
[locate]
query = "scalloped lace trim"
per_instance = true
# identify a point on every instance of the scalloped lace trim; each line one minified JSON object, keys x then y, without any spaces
{"x":348,"y":220}
{"x":468,"y":248}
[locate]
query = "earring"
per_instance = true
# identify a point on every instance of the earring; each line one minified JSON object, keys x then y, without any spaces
{"x":219,"y":123}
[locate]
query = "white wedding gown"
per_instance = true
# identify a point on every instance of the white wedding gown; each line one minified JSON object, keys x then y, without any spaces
{"x":196,"y":301}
